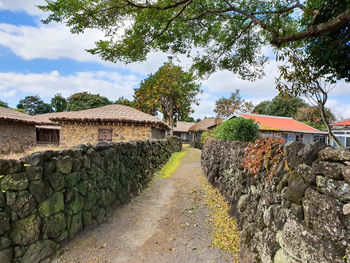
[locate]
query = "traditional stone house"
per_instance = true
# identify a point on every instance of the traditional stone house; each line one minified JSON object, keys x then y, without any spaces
{"x":285,"y":127}
{"x":47,"y":132}
{"x":17,"y":131}
{"x":197,"y":129}
{"x":109,"y":123}
{"x":341,"y":130}
{"x":181,"y":130}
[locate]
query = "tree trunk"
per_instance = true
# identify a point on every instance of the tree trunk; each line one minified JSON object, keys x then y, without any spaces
{"x":326,"y":122}
{"x":171,"y":115}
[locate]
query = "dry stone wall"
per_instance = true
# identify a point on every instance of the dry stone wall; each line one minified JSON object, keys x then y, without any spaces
{"x":48,"y":198}
{"x":301,"y":215}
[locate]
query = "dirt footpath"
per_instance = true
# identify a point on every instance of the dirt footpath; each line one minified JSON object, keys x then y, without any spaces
{"x":163,"y":224}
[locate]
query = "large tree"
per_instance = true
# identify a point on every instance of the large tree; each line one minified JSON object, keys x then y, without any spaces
{"x":59,"y":103}
{"x":85,"y":100}
{"x":3,"y":104}
{"x":281,"y":105}
{"x":225,"y":107}
{"x":312,"y":116}
{"x":124,"y":101}
{"x":229,"y":34}
{"x":170,"y":91}
{"x":33,"y":105}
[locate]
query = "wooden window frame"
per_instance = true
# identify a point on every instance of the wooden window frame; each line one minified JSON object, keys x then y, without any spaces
{"x":100,"y":131}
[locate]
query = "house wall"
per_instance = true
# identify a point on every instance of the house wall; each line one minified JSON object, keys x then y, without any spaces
{"x":16,"y":138}
{"x":76,"y":134}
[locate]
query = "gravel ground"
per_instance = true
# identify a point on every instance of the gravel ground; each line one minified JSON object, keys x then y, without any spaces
{"x":166,"y":223}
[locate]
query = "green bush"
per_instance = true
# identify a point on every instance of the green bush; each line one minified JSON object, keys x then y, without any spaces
{"x":207,"y":134}
{"x":238,"y":129}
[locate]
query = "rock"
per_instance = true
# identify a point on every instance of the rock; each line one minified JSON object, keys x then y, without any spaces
{"x":281,"y":256}
{"x":64,"y":165}
{"x":76,"y":204}
{"x":337,"y":189}
{"x":297,"y":210}
{"x":323,"y":214}
{"x":52,"y":205}
{"x":54,"y":225}
{"x":75,"y":226}
{"x":26,"y":230}
{"x":71,"y":179}
{"x":22,"y":203}
{"x":39,"y":251}
{"x":307,"y":174}
{"x":2,"y":200}
{"x":266,"y":244}
{"x":34,"y":172}
{"x":62,"y":237}
{"x":15,"y":182}
{"x":87,"y":218}
{"x":291,"y":150}
{"x":331,"y":154}
{"x":346,"y":173}
{"x":305,"y":246}
{"x":4,"y":222}
{"x":296,"y":188}
{"x":40,"y":190}
{"x":5,"y":242}
{"x":346,"y":209}
{"x":19,"y":251}
{"x":328,"y":169}
{"x":56,"y":181}
{"x":34,"y":159}
{"x":6,"y":255}
{"x":274,"y":217}
{"x":310,"y":152}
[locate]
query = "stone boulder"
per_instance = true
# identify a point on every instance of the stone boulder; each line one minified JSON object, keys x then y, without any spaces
{"x":15,"y":182}
{"x":329,"y":169}
{"x":39,"y":251}
{"x":331,"y":154}
{"x":26,"y":230}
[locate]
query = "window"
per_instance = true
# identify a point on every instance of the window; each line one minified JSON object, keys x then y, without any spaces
{"x":298,"y":137}
{"x":104,"y":135}
{"x":289,"y":136}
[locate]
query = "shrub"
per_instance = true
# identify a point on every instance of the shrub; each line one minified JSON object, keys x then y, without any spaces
{"x":207,"y":134}
{"x":238,"y":129}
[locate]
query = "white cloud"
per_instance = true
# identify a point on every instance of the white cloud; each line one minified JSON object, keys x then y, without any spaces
{"x":28,"y":6}
{"x":205,"y":108}
{"x":341,"y":110}
{"x":46,"y":85}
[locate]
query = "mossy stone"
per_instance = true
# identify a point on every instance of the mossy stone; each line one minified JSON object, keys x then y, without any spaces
{"x":15,"y":182}
{"x":56,"y":180}
{"x":76,"y":225}
{"x":72,"y":179}
{"x":26,"y":230}
{"x":54,"y":225}
{"x":40,"y":190}
{"x":52,"y":205}
{"x":64,"y":165}
{"x":39,"y":251}
{"x":87,"y":218}
{"x":77,"y":203}
{"x":6,"y":255}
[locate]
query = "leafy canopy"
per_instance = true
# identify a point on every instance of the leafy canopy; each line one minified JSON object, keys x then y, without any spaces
{"x":124,"y":101}
{"x":229,"y":34}
{"x":59,"y":103}
{"x":3,"y":104}
{"x":33,"y":105}
{"x":238,"y":129}
{"x":225,"y":107}
{"x":85,"y":100}
{"x":170,"y":91}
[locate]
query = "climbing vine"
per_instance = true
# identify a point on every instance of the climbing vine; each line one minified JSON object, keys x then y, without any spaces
{"x":264,"y":153}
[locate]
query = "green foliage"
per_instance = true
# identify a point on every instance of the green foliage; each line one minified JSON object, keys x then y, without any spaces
{"x":187,"y":119}
{"x":238,"y":129}
{"x":33,"y":105}
{"x":170,"y":91}
{"x":124,"y":101}
{"x":208,"y":134}
{"x":85,"y":100}
{"x":225,"y":107}
{"x":281,"y":105}
{"x":230,"y":34}
{"x":3,"y":104}
{"x":59,"y":103}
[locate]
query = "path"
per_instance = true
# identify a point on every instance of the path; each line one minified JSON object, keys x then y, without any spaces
{"x":163,"y":224}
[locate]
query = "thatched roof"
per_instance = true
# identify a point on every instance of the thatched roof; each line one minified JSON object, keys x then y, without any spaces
{"x":182,"y":126}
{"x":115,"y":113}
{"x":205,"y":125}
{"x":14,"y":117}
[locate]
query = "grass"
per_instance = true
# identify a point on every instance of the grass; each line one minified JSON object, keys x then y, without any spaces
{"x":170,"y":167}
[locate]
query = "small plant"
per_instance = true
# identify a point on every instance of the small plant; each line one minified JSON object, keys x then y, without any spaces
{"x":207,"y":134}
{"x":263,"y":153}
{"x":238,"y":129}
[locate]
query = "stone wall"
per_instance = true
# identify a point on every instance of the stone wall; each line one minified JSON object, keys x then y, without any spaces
{"x":76,"y":134}
{"x":16,"y":137}
{"x":49,"y":197}
{"x":301,"y":215}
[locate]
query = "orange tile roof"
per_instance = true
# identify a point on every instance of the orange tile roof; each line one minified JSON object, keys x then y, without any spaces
{"x":276,"y":123}
{"x":342,"y":123}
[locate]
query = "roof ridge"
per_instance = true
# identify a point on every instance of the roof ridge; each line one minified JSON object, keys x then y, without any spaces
{"x":271,"y":116}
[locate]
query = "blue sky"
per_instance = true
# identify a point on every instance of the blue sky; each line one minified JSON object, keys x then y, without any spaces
{"x":38,"y":59}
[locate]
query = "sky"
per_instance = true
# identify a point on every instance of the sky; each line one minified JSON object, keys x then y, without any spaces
{"x":38,"y":59}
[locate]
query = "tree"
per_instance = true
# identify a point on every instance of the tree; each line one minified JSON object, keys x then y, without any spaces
{"x":230,"y":33}
{"x":312,"y":116}
{"x":188,"y":119}
{"x":33,"y":105}
{"x":331,"y":51}
{"x":85,"y":100}
{"x":59,"y":103}
{"x":281,"y":105}
{"x":238,"y":129}
{"x":225,"y":107}
{"x":3,"y":104}
{"x":170,"y":91}
{"x":300,"y":79}
{"x":125,"y":101}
